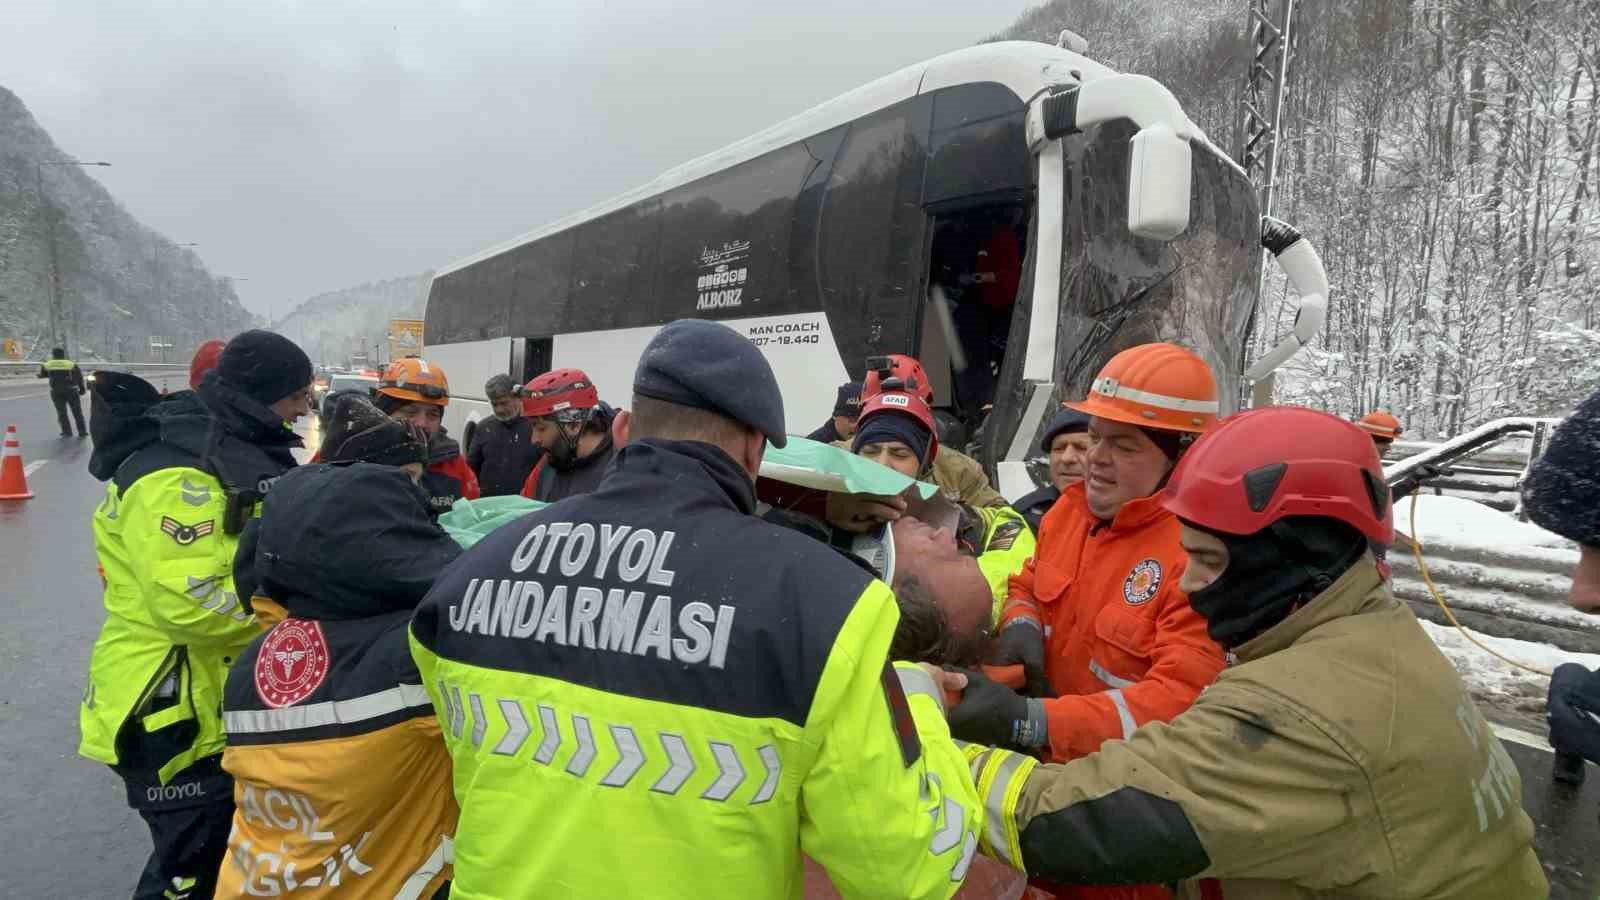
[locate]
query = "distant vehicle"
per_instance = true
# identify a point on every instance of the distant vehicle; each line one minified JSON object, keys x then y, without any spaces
{"x":339,"y":383}
{"x":844,"y":232}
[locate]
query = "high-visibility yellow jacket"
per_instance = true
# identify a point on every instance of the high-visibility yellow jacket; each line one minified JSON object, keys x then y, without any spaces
{"x":648,"y":692}
{"x":173,"y":619}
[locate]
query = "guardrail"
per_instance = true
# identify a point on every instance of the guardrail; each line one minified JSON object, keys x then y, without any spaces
{"x":22,"y":370}
{"x":1513,"y":592}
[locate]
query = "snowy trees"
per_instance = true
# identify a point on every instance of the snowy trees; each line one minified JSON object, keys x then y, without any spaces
{"x":1442,"y":155}
{"x":120,"y":282}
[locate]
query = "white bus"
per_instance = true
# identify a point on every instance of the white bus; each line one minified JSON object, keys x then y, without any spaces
{"x":844,"y":232}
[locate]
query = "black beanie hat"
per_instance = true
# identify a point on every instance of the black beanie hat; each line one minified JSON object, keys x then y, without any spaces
{"x":1065,"y":422}
{"x":264,"y":366}
{"x":848,"y":402}
{"x":881,"y":427}
{"x":359,"y":432}
{"x":1172,"y":443}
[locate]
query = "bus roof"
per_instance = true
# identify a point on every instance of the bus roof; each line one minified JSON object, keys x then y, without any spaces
{"x":1025,"y":67}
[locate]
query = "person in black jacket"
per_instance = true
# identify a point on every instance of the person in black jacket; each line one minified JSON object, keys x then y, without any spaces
{"x":846,"y":407}
{"x":503,"y":449}
{"x":1562,"y":494}
{"x":1065,"y":442}
{"x":66,"y":386}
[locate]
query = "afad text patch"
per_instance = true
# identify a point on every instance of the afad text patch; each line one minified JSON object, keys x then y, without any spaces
{"x":292,"y":664}
{"x":185,"y":534}
{"x":1142,"y":583}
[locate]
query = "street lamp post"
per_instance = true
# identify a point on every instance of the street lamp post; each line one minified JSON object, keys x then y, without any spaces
{"x":157,"y":303}
{"x":56,"y":339}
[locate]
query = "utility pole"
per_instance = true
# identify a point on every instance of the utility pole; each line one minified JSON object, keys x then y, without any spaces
{"x":1272,"y":40}
{"x":57,"y":339}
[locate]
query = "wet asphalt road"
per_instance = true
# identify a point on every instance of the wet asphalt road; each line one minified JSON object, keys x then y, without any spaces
{"x":64,"y":824}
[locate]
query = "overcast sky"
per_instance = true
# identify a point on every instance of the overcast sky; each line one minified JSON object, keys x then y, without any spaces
{"x":314,"y":145}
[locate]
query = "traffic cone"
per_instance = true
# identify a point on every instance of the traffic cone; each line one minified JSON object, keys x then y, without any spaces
{"x":13,"y":481}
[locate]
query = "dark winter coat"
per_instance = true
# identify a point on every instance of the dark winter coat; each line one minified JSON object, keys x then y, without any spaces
{"x":1562,"y":493}
{"x":549,"y":481}
{"x":503,"y":453}
{"x":1034,"y":505}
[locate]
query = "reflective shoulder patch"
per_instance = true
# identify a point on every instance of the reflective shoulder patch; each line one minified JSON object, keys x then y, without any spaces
{"x":905,"y":728}
{"x":184,"y":535}
{"x":1005,"y":534}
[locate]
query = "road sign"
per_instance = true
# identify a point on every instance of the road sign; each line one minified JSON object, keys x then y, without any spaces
{"x":405,"y":338}
{"x":11,"y":348}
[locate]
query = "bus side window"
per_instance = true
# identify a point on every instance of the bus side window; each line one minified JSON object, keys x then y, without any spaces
{"x":872,"y":226}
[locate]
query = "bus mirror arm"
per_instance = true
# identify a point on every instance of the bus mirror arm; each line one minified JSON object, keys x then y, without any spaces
{"x":1159,"y":168}
{"x":1303,"y":268}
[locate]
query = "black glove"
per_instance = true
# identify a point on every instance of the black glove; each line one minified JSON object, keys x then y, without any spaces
{"x":1574,"y":711}
{"x":992,"y":714}
{"x":1023,"y":642}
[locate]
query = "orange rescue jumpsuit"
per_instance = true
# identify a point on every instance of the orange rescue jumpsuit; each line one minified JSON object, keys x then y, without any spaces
{"x":1122,"y":645}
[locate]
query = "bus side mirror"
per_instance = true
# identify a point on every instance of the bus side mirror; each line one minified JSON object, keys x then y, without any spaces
{"x":1158,"y":184}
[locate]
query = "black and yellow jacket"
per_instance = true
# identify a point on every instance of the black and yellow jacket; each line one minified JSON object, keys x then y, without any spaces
{"x":648,"y":692}
{"x":341,"y":779}
{"x":183,"y":474}
{"x":64,"y":374}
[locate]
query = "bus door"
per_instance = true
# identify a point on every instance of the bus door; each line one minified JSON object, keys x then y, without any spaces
{"x":975,"y":270}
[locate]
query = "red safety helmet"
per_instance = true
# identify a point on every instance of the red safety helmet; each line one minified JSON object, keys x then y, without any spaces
{"x":1266,"y":464}
{"x":895,"y":372}
{"x":564,"y":394}
{"x":905,"y":404}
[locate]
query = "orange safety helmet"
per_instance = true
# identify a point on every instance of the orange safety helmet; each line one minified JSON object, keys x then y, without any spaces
{"x":415,"y":381}
{"x":1154,"y":386}
{"x":1381,"y":424}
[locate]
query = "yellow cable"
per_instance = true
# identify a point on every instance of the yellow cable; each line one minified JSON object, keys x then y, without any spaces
{"x":1416,"y":550}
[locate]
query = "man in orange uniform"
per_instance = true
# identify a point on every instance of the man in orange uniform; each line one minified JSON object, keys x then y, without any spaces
{"x":415,"y":392}
{"x":1096,"y":617}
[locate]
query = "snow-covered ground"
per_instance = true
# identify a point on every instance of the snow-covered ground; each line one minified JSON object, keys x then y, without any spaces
{"x":1507,"y":694}
{"x":1462,"y":522}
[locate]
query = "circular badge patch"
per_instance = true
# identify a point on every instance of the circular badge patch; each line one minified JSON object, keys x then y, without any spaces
{"x":1142,"y":583}
{"x":292,"y":664}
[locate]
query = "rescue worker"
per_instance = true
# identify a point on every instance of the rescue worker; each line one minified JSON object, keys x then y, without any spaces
{"x":503,"y":451}
{"x":1097,"y":619}
{"x":958,"y":475}
{"x":1065,"y":442}
{"x":1383,"y":427}
{"x":846,"y":407}
{"x":1341,"y":756}
{"x":647,"y":687}
{"x":341,"y":779}
{"x":896,"y":430}
{"x":66,"y":386}
{"x":185,"y":474}
{"x":414,"y":391}
{"x":573,"y":428}
{"x":1562,"y":494}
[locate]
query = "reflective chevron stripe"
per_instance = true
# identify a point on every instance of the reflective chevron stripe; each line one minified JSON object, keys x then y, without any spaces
{"x":514,"y":732}
{"x":1000,"y":776}
{"x":682,"y":766}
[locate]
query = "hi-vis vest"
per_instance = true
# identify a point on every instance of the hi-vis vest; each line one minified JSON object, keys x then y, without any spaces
{"x":60,"y":373}
{"x":647,"y":692}
{"x":173,"y":621}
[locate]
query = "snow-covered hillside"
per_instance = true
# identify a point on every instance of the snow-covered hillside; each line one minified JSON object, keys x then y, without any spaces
{"x":334,"y":326}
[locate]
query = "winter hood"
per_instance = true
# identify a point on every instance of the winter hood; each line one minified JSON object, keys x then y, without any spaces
{"x":348,"y":542}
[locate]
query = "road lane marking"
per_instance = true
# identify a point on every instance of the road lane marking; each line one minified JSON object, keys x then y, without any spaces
{"x":33,"y":467}
{"x":1518,"y":736}
{"x":26,"y":396}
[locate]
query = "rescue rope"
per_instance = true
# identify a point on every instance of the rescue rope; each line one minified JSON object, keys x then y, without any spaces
{"x":1438,"y":597}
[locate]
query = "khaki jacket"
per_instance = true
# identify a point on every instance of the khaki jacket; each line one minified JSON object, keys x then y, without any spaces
{"x":1340,"y":758}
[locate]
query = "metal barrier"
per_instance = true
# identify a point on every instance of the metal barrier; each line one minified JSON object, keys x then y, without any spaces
{"x":1492,"y":478}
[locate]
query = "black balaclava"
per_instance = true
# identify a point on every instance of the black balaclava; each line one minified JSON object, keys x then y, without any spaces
{"x":894,"y":426}
{"x":1272,"y":573}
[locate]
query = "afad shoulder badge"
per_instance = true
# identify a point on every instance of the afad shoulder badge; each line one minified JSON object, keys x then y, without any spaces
{"x":292,"y":664}
{"x":1142,"y":583}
